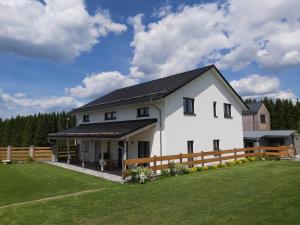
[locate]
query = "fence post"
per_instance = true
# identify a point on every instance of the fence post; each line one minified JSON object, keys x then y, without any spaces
{"x":123,"y":169}
{"x":220,"y":157}
{"x":180,"y":157}
{"x":9,"y":153}
{"x":154,"y":164}
{"x":235,"y":157}
{"x":31,"y":152}
{"x":54,"y":153}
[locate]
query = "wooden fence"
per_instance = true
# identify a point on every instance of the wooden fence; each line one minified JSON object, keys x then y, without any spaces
{"x":201,"y":158}
{"x":25,"y":153}
{"x":62,"y":153}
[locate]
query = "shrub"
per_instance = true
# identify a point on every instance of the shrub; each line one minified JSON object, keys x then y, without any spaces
{"x":251,"y":159}
{"x":222,"y":165}
{"x":181,"y":168}
{"x":171,"y":166}
{"x":165,"y":172}
{"x":213,"y":167}
{"x":204,"y":167}
{"x":140,"y":174}
{"x":238,"y":161}
{"x":244,"y":160}
{"x":199,"y":168}
{"x":230,"y":163}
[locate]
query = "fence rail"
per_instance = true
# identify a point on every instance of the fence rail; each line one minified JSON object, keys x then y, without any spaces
{"x":25,"y":153}
{"x":201,"y":158}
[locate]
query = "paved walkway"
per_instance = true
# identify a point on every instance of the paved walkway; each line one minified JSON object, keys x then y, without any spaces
{"x":107,"y":176}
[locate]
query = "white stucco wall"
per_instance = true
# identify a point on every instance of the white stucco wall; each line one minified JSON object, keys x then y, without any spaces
{"x":202,"y":128}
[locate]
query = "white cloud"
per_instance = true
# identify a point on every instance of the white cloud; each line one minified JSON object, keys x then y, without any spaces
{"x":22,"y":105}
{"x":258,"y":86}
{"x":233,"y":35}
{"x":96,"y":85}
{"x":53,"y":29}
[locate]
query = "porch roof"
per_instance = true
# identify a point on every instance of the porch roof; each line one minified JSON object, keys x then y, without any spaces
{"x":107,"y":130}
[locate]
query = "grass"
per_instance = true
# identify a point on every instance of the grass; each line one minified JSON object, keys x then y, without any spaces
{"x":253,"y":193}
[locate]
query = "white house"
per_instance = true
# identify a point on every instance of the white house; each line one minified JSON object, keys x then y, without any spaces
{"x":192,"y":111}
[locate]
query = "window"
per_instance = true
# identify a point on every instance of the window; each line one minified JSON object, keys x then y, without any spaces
{"x":227,"y":110}
{"x":110,"y":116}
{"x":215,"y":109}
{"x":190,"y":146}
{"x":188,"y":106}
{"x":216,"y":145}
{"x":143,"y":149}
{"x":86,"y":118}
{"x":143,"y":112}
{"x":263,"y":118}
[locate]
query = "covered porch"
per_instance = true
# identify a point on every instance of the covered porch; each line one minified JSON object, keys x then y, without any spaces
{"x":104,"y":146}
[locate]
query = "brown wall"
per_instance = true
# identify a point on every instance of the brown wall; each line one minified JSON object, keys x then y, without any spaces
{"x":252,"y":121}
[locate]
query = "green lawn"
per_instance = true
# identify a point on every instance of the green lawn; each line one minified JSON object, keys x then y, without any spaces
{"x":252,"y":193}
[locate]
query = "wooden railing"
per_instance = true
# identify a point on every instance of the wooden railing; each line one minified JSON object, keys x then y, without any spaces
{"x":201,"y":158}
{"x":62,"y":153}
{"x":31,"y":153}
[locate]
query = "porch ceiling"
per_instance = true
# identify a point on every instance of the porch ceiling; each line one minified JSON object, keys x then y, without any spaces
{"x":107,"y":130}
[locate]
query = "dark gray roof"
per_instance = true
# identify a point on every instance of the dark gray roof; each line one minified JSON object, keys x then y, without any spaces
{"x":253,"y":108}
{"x":148,"y":91}
{"x":267,"y":133}
{"x":103,"y":130}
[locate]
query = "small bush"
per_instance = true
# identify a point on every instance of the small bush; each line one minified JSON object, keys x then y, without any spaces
{"x":222,"y":165}
{"x":251,"y":159}
{"x":181,"y":168}
{"x":171,"y":166}
{"x":244,"y":160}
{"x":213,"y":167}
{"x":199,"y":168}
{"x":140,"y":174}
{"x":204,"y":167}
{"x":165,"y":172}
{"x":238,"y":162}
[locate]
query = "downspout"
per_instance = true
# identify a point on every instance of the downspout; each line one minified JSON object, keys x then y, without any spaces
{"x":160,"y":126}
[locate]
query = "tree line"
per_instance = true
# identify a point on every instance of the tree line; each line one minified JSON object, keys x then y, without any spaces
{"x":33,"y":130}
{"x":284,"y":114}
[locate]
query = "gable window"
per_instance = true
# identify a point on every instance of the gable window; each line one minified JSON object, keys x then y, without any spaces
{"x":215,"y":109}
{"x":143,"y":112}
{"x":227,"y":110}
{"x":188,"y":106}
{"x":262,"y":118}
{"x":110,"y":116}
{"x":86,"y":118}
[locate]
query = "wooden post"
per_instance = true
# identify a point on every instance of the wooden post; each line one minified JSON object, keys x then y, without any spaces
{"x":154,"y":166}
{"x":235,"y":157}
{"x":54,"y":152}
{"x":31,"y":152}
{"x":202,"y":158}
{"x":220,"y":157}
{"x":9,"y":153}
{"x":69,"y":157}
{"x":180,"y":157}
{"x":124,"y":156}
{"x":102,"y":156}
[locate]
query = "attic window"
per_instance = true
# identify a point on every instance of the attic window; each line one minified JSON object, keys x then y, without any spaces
{"x":188,"y":106}
{"x":86,"y":118}
{"x":262,"y":118}
{"x":227,"y":110}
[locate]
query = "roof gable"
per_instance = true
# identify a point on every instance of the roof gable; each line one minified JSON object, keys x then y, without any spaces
{"x":253,"y":108}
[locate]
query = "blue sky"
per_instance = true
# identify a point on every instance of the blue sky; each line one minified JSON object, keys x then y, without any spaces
{"x":56,"y":55}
